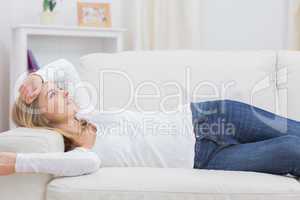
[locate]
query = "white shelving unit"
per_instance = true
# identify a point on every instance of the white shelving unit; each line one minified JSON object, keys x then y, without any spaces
{"x":49,"y":43}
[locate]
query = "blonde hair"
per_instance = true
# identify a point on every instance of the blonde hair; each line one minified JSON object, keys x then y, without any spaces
{"x":30,"y":116}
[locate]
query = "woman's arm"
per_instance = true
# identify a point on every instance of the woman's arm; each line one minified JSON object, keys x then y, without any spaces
{"x":77,"y":162}
{"x":59,"y":71}
{"x":64,"y":74}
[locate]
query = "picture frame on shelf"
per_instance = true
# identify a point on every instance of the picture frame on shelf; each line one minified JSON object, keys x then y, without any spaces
{"x":94,"y":13}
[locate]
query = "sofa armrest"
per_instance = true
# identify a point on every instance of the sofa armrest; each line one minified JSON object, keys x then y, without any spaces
{"x":27,"y":140}
{"x":28,"y":186}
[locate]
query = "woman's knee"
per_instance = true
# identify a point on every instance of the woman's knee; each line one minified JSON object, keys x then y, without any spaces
{"x":289,"y":145}
{"x":289,"y":153}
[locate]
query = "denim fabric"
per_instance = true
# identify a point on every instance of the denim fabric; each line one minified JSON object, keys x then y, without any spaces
{"x":232,"y":135}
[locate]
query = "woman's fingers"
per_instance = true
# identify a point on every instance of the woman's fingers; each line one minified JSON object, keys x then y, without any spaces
{"x":33,"y":96}
{"x":35,"y":93}
{"x":27,"y":94}
{"x":22,"y":90}
{"x":30,"y":89}
{"x":21,"y":87}
{"x":23,"y":94}
{"x":27,"y":100}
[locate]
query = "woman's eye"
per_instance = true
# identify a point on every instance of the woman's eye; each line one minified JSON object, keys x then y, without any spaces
{"x":52,"y":94}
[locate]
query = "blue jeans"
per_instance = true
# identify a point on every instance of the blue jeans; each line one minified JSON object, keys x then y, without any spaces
{"x":232,"y":135}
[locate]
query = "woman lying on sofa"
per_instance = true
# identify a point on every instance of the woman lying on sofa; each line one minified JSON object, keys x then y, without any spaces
{"x":225,"y":135}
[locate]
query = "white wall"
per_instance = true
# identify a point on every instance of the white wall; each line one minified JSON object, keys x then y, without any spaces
{"x":244,"y":24}
{"x":5,"y":20}
{"x":28,"y":11}
{"x":227,"y":24}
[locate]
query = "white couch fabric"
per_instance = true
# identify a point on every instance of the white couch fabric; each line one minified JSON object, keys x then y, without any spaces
{"x":256,"y":77}
{"x":31,"y":140}
{"x":288,"y":72}
{"x":247,"y":76}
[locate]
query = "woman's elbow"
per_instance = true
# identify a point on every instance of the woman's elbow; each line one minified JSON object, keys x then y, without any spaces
{"x":92,"y":163}
{"x":89,"y":163}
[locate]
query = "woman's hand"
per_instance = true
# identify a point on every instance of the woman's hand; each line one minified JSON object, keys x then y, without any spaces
{"x":7,"y":163}
{"x":87,"y":138}
{"x":31,"y":88}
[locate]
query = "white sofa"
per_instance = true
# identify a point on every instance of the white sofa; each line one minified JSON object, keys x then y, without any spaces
{"x":267,"y":79}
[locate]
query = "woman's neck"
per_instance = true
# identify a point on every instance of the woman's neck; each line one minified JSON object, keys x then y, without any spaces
{"x":82,"y":136}
{"x":71,"y":125}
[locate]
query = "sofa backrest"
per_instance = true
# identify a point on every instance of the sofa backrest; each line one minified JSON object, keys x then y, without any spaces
{"x":162,"y":80}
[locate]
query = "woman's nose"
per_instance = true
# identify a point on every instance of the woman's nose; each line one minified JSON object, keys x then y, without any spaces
{"x":66,"y":93}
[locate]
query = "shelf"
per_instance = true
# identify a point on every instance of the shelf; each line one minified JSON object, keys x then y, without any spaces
{"x":76,"y":31}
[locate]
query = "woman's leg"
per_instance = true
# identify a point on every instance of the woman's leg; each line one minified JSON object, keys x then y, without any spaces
{"x":255,"y":124}
{"x":280,"y":155}
{"x":247,"y":123}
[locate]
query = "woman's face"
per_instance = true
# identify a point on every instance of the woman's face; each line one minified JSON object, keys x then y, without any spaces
{"x":55,"y":103}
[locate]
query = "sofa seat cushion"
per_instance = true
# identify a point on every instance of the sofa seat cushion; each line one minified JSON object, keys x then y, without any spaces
{"x":163,"y":183}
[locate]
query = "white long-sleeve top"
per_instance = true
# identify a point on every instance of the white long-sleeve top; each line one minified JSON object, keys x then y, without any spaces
{"x":79,"y":161}
{"x":126,"y":139}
